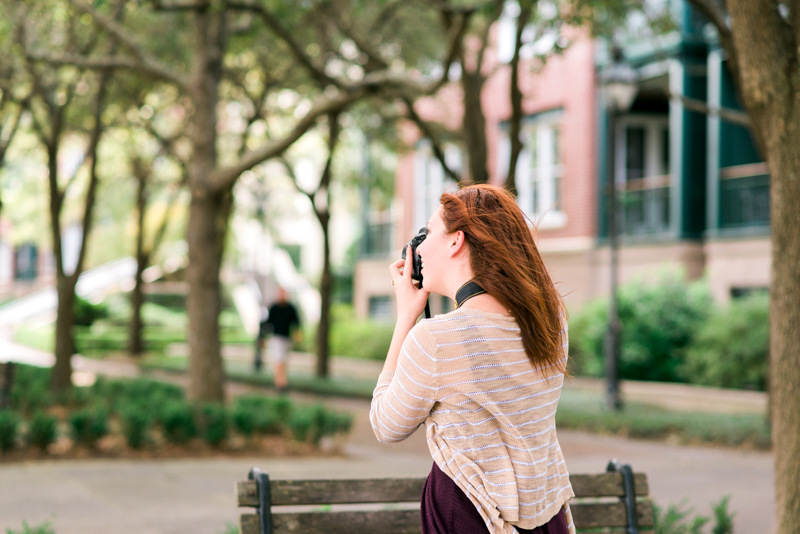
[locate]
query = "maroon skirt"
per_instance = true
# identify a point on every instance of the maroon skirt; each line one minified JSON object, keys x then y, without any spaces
{"x":446,"y":509}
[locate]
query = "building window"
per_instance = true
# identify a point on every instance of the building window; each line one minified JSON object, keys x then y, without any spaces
{"x":26,"y":264}
{"x":540,"y":171}
{"x":643,"y":174}
{"x":380,"y":308}
{"x":430,"y":180}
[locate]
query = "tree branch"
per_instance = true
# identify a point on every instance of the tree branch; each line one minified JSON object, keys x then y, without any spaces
{"x":274,"y":24}
{"x":224,"y":178}
{"x":144,"y":60}
{"x":733,"y":116}
{"x":427,"y":131}
{"x":526,"y":8}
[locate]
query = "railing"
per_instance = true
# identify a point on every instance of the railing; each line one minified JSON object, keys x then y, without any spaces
{"x":744,"y":197}
{"x":645,"y":206}
{"x":377,"y":239}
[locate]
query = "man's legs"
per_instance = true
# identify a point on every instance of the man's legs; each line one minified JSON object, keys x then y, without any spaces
{"x":259,"y":346}
{"x":278,"y":351}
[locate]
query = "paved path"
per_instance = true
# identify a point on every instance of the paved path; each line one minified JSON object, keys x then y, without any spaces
{"x":196,"y":496}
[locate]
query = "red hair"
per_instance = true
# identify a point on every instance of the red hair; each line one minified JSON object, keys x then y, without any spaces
{"x":506,"y":263}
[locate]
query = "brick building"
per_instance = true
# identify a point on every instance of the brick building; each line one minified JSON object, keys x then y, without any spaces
{"x":695,"y":194}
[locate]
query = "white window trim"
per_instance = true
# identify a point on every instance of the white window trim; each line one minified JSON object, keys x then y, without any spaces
{"x":547,"y":214}
{"x":430,"y":180}
{"x":653,"y":125}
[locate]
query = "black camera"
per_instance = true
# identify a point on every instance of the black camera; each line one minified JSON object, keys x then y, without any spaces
{"x":416,"y":261}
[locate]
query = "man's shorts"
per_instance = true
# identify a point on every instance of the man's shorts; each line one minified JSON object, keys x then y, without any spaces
{"x":278,"y":348}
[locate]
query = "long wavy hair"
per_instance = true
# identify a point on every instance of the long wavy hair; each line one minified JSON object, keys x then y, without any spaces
{"x":506,"y":263}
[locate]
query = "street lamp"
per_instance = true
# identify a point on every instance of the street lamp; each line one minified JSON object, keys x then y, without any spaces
{"x":619,"y":89}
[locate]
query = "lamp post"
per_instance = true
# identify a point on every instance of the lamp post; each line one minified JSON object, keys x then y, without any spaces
{"x":619,"y":89}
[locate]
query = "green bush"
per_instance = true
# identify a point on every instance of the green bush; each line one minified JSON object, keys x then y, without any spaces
{"x":731,"y":349}
{"x":87,"y":313}
{"x":44,"y":528}
{"x":31,"y":389}
{"x":9,"y":426}
{"x":135,"y":425}
{"x":353,"y":337}
{"x":89,"y":425}
{"x":42,"y":430}
{"x":658,"y":321}
{"x":215,"y":423}
{"x":178,"y":421}
{"x":312,"y":423}
{"x":677,"y":520}
{"x":262,"y":414}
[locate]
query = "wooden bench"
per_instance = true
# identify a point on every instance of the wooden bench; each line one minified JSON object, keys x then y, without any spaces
{"x":615,"y":502}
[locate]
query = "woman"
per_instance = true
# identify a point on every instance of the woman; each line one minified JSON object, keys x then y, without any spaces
{"x":486,"y":377}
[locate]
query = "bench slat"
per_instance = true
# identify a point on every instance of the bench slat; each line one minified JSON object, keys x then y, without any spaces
{"x":403,"y":489}
{"x":373,"y":522}
{"x":285,"y":492}
{"x":606,"y":485}
{"x":585,"y":515}
{"x":597,"y":515}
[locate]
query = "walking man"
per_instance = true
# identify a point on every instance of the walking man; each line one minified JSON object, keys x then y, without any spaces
{"x":281,"y":322}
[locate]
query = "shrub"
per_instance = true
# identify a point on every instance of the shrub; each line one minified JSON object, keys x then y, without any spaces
{"x":264,"y":415}
{"x":31,"y":389}
{"x":676,"y":520}
{"x":723,"y":519}
{"x":177,"y":419}
{"x":135,"y":425}
{"x":352,"y":337}
{"x":312,"y":423}
{"x":731,"y":349}
{"x":9,"y":426}
{"x":301,"y":423}
{"x":89,"y":425}
{"x":44,"y":528}
{"x":659,"y":321}
{"x":87,"y":313}
{"x":215,"y":423}
{"x":42,"y":430}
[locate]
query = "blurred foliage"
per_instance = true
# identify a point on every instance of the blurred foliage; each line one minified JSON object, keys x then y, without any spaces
{"x":584,"y":410}
{"x":658,"y":321}
{"x":44,"y":528}
{"x":731,"y":348}
{"x":86,"y":313}
{"x":141,"y":405}
{"x":678,"y":520}
{"x":355,"y":338}
{"x":673,"y":332}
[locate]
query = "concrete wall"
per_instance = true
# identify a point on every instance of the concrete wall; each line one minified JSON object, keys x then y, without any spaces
{"x":738,"y":263}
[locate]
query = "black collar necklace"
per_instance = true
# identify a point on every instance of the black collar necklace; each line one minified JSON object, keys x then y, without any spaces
{"x":467,"y":291}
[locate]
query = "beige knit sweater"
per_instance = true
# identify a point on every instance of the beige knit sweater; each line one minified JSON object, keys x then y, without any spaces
{"x":489,"y":415}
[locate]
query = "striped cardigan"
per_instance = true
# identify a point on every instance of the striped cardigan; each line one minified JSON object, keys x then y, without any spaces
{"x":489,"y":415}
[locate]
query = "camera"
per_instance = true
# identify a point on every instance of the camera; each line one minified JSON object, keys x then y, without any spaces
{"x":416,"y":261}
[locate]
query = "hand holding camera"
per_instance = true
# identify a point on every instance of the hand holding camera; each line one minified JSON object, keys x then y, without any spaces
{"x":406,"y":273}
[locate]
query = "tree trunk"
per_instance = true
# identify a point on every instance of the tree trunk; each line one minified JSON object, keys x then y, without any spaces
{"x":323,"y":331}
{"x":516,"y":98}
{"x":769,"y":80}
{"x":203,"y":302}
{"x":61,"y":373}
{"x":205,"y":232}
{"x":474,"y":127}
{"x":784,"y":164}
{"x":136,"y":345}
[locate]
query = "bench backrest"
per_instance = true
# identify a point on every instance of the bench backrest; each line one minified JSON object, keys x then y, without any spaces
{"x":597,"y":504}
